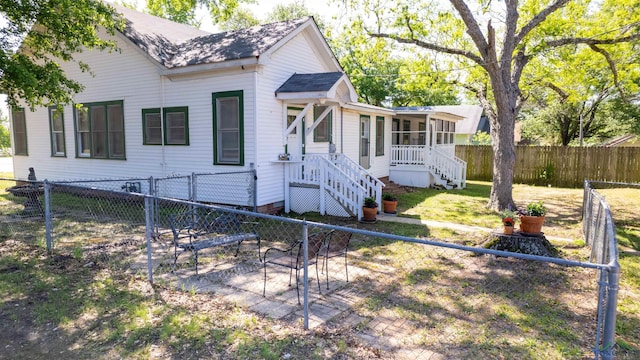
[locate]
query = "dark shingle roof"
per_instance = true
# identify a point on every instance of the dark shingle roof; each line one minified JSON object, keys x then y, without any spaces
{"x":175,"y":45}
{"x":310,"y":82}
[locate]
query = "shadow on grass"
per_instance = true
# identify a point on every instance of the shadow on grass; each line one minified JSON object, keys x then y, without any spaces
{"x":500,"y":308}
{"x":411,"y":199}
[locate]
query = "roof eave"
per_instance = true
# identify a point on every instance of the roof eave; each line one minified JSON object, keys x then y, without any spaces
{"x":198,"y":68}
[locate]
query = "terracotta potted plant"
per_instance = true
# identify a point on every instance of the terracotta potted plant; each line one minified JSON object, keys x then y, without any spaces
{"x":508,"y":220}
{"x":532,"y":217}
{"x":369,"y":209}
{"x":389,"y":203}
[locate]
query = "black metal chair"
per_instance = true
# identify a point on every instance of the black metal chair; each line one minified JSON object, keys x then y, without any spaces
{"x":293,"y":258}
{"x":336,"y":244}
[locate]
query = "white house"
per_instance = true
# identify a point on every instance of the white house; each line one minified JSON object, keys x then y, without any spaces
{"x":178,"y":100}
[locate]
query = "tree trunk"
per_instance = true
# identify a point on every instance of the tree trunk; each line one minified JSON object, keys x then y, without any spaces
{"x":502,"y":134}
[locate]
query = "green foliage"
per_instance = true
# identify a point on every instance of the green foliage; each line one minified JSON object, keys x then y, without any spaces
{"x":62,"y":28}
{"x":184,"y":11}
{"x":535,"y":208}
{"x":240,"y":19}
{"x":370,"y":202}
{"x":481,"y":138}
{"x":175,"y":10}
{"x":389,"y":197}
{"x":5,"y":138}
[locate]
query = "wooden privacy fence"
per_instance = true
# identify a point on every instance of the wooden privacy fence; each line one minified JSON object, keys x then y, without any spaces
{"x":557,"y":165}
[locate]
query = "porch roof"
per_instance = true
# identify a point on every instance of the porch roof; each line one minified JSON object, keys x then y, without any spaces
{"x":427,"y":110}
{"x":321,"y":86}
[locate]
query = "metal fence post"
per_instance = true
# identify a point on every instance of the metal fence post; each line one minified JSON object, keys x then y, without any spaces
{"x":254,"y":177}
{"x":608,"y":338}
{"x":193,"y":189}
{"x":305,"y":277}
{"x":47,"y":215}
{"x":148,"y":203}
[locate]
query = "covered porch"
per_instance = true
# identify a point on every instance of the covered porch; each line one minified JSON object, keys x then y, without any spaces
{"x":423,"y":149}
{"x":319,"y":175}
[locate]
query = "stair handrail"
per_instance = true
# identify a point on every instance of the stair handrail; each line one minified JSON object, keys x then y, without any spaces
{"x":450,"y":166}
{"x":372,"y":184}
{"x":350,"y":193}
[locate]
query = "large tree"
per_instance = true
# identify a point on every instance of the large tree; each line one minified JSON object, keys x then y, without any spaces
{"x":36,"y":35}
{"x":184,"y":11}
{"x":500,"y":38}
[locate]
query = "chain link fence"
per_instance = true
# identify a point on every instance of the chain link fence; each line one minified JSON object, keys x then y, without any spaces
{"x":410,"y":297}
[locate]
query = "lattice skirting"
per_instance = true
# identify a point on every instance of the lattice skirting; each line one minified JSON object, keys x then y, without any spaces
{"x":306,"y":199}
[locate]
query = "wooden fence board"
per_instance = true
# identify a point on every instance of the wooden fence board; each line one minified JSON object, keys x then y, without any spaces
{"x":557,"y":165}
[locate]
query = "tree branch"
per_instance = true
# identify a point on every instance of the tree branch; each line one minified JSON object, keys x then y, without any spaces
{"x":591,"y":41}
{"x":562,"y":93}
{"x":431,"y":46}
{"x":539,"y":18}
{"x":612,"y":66}
{"x":473,"y":29}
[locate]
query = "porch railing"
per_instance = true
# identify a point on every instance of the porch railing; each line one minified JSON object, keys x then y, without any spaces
{"x":372,"y":185}
{"x":441,"y":163}
{"x":318,"y":170}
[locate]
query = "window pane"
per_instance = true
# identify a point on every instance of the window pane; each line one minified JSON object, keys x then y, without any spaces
{"x":116,"y":131}
{"x":116,"y":145}
{"x":19,"y":132}
{"x":83,"y":119}
{"x":98,"y":132}
{"x":115,"y":118}
{"x":58,"y":143}
{"x":57,"y":132}
{"x":228,"y":130}
{"x":84,"y":143}
{"x":176,"y":130}
{"x":153,"y":128}
{"x":228,"y":147}
{"x":290,"y":120}
{"x":228,"y":113}
{"x":379,"y":136}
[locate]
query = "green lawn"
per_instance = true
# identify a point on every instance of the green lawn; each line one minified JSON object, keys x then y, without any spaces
{"x":85,"y":306}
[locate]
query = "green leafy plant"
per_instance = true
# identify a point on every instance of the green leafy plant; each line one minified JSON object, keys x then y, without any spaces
{"x":370,"y":202}
{"x":535,"y":208}
{"x":389,"y":197}
{"x":508,"y":217}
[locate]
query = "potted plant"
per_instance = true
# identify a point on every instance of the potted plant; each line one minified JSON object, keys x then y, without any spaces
{"x":389,"y":203}
{"x":508,"y":220}
{"x":532,"y":217}
{"x":369,"y":209}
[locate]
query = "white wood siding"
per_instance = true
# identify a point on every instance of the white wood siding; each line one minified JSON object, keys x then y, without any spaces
{"x":297,"y":56}
{"x":129,"y":76}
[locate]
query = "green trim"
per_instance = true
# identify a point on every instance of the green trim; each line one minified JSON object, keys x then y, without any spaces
{"x":105,"y":105}
{"x":329,"y":118}
{"x":379,"y":140}
{"x":177,"y":109}
{"x":215,"y":97}
{"x":360,"y":155}
{"x":13,"y":130}
{"x":145,"y":112}
{"x":51,"y":133}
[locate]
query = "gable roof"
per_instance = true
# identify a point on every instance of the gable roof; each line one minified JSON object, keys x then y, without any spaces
{"x":176,"y":45}
{"x":323,"y":86}
{"x":310,"y":82}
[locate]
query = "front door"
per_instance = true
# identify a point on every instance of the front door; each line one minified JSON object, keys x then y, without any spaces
{"x":295,"y":139}
{"x":364,"y":141}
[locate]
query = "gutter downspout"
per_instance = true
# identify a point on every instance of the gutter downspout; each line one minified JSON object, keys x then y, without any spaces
{"x":341,"y":130}
{"x":162,"y":144}
{"x":254,"y":164}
